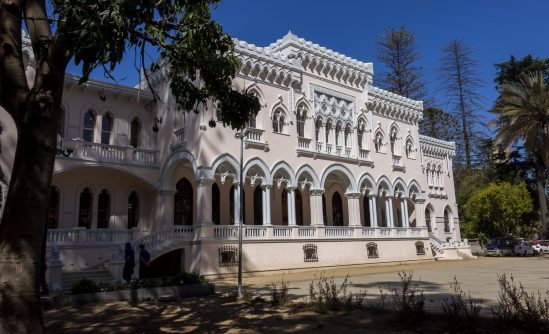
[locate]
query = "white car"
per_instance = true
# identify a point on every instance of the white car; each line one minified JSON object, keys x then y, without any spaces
{"x":523,"y":248}
{"x":541,"y":249}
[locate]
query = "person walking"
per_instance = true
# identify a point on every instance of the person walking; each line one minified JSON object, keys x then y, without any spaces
{"x":129,"y":262}
{"x":144,"y":258}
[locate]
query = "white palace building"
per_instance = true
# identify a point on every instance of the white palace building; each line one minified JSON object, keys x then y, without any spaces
{"x":336,"y":173}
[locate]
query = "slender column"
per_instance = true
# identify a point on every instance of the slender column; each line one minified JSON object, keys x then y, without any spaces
{"x":354,"y":208}
{"x":402,"y":212}
{"x":266,"y":204}
{"x":204,"y":201}
{"x":98,"y":128}
{"x":406,"y":215}
{"x":315,"y":198}
{"x":392,"y":212}
{"x":388,"y":210}
{"x":291,"y":206}
{"x":236,"y":204}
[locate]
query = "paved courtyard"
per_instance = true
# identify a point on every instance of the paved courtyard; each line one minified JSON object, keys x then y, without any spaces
{"x":477,"y":276}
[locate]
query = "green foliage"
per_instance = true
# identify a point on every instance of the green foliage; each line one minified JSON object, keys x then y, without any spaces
{"x":194,"y":49}
{"x":90,"y":286}
{"x":513,"y":69}
{"x":497,"y":210}
{"x":439,"y":124}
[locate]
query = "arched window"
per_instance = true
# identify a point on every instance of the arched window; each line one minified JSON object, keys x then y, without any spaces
{"x":393,"y":136}
{"x":278,"y":121}
{"x":428,"y":219}
{"x":135,"y":133}
{"x":399,"y":218}
{"x":348,"y":136}
{"x":61,"y":123}
{"x":383,"y":218}
{"x":183,"y":203}
{"x":446,"y":221}
{"x":133,"y":210}
{"x":103,"y":209}
{"x":327,"y":132}
{"x":378,"y":141}
{"x":251,"y":121}
{"x":360,"y":133}
{"x":301,"y":117}
{"x":53,"y":208}
{"x":216,"y":204}
{"x":85,"y":209}
{"x":231,"y":205}
{"x":89,"y":126}
{"x":366,"y":209}
{"x":337,"y":134}
{"x":409,"y":148}
{"x":298,"y":208}
{"x":258,"y":206}
{"x":337,"y":209}
{"x":106,"y":129}
{"x":318,"y":127}
{"x":284,"y":205}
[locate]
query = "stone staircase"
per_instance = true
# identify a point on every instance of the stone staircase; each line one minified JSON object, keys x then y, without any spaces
{"x":98,"y":274}
{"x":452,"y":250}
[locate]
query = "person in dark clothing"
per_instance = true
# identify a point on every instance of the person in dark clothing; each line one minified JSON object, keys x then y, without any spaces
{"x":129,"y":262}
{"x":144,"y":258}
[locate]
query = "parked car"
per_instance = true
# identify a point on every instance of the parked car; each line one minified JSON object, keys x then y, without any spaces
{"x":500,"y":247}
{"x":523,"y":248}
{"x":540,"y":246}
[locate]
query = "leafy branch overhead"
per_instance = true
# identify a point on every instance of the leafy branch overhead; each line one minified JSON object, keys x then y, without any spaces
{"x":198,"y":53}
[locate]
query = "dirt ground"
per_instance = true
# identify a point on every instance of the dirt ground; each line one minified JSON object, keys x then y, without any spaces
{"x":222,"y":314}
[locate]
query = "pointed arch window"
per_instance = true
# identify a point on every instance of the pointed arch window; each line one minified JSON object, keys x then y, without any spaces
{"x":409,"y":148}
{"x":428,"y":220}
{"x":278,"y":121}
{"x":135,"y":133}
{"x":216,"y":204}
{"x":53,"y":208}
{"x":327,"y":131}
{"x":393,"y":138}
{"x":106,"y":129}
{"x":348,"y":136}
{"x":301,"y":117}
{"x":183,"y":203}
{"x":378,"y":141}
{"x":133,"y":210}
{"x":337,"y":134}
{"x":85,"y":208}
{"x":103,"y":209}
{"x":251,"y":121}
{"x":318,"y":127}
{"x":284,"y":205}
{"x":446,"y":221}
{"x":89,"y":126}
{"x":337,"y":209}
{"x":258,"y":206}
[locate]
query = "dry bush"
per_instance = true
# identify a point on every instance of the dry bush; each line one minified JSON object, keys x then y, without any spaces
{"x":408,"y":299}
{"x":326,"y":294}
{"x":279,"y":292}
{"x":462,"y":311}
{"x":516,"y":307}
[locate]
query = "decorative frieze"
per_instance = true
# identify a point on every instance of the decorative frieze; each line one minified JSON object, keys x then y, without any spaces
{"x":437,"y":148}
{"x":394,"y":106}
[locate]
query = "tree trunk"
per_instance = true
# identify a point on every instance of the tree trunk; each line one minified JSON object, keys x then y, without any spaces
{"x":543,"y":211}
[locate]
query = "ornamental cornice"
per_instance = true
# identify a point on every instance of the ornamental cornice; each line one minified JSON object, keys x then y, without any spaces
{"x":392,"y":105}
{"x":320,"y":60}
{"x":353,"y":195}
{"x":437,"y":148}
{"x":316,"y":192}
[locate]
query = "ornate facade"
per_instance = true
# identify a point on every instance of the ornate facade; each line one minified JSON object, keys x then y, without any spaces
{"x":335,"y":172}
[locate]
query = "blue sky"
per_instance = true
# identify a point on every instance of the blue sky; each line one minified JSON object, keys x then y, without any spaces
{"x":494,"y":29}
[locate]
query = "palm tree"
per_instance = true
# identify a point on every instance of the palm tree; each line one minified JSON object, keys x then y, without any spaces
{"x":523,"y":118}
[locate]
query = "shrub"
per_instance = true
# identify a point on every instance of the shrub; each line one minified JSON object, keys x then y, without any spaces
{"x":326,"y":294}
{"x":517,"y":307}
{"x":463,"y":312}
{"x":279,"y":292}
{"x":85,"y":286}
{"x":408,"y":299}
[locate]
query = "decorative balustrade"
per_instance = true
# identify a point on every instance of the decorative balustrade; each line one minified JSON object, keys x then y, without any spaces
{"x":363,"y":154}
{"x":303,"y":143}
{"x":255,"y":231}
{"x":111,"y":153}
{"x":225,"y":232}
{"x":306,"y":232}
{"x":329,"y":148}
{"x":396,"y":161}
{"x":255,"y":135}
{"x":348,"y":152}
{"x":339,"y":232}
{"x":76,"y":236}
{"x":318,"y":146}
{"x":180,"y":232}
{"x":338,"y":150}
{"x":283,"y":232}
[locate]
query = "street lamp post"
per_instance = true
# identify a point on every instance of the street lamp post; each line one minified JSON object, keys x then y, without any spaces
{"x":241,"y":135}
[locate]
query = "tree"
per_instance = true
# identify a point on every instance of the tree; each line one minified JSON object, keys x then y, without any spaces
{"x":438,"y":124}
{"x":498,"y":210}
{"x":523,"y":116}
{"x":396,"y":48}
{"x":93,"y":34}
{"x":461,"y":82}
{"x":513,"y":69}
